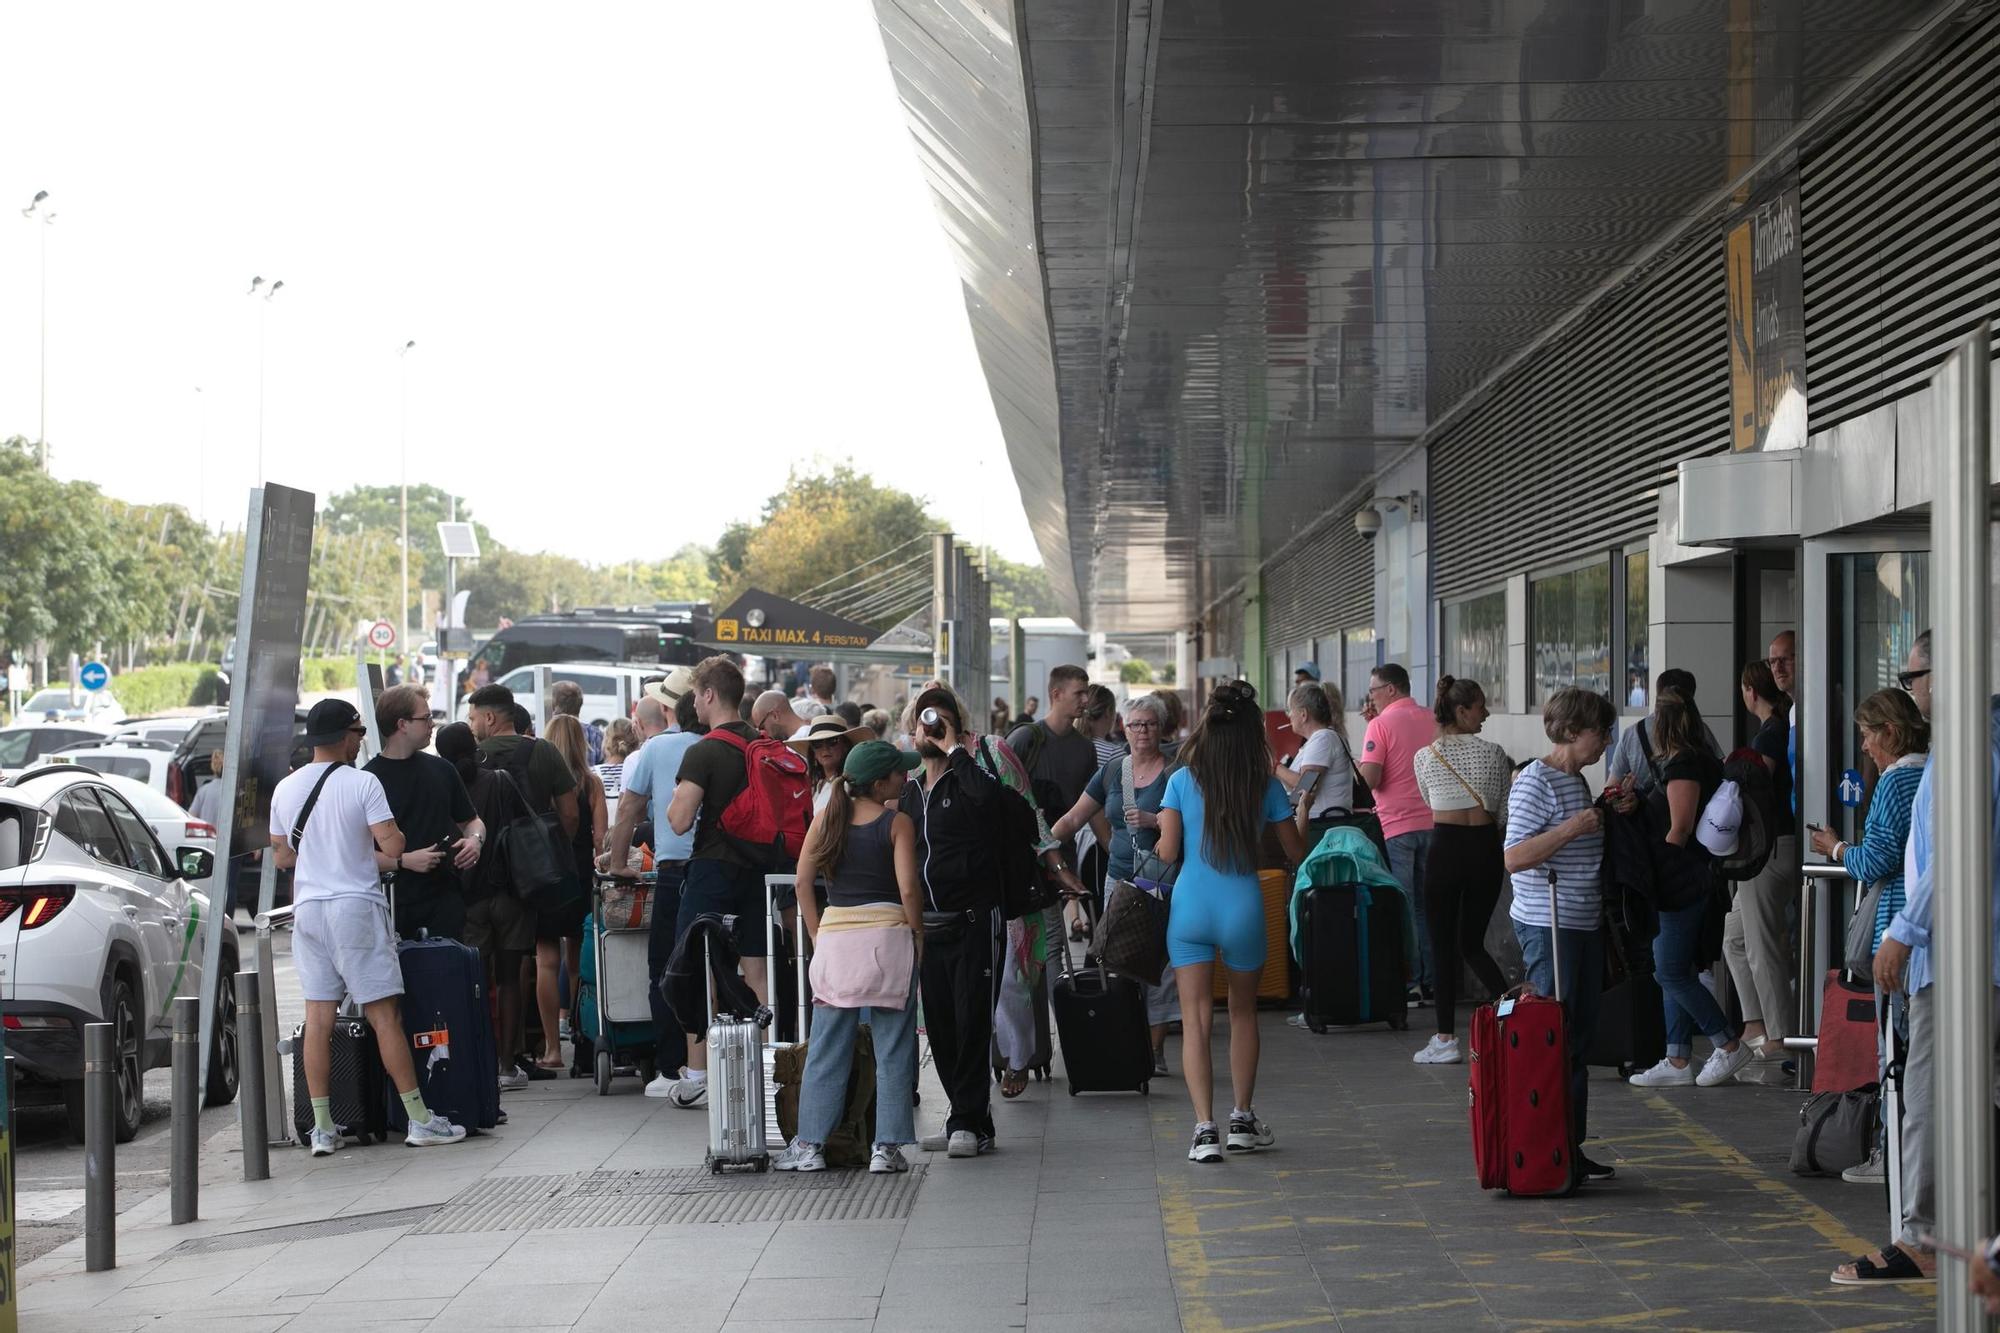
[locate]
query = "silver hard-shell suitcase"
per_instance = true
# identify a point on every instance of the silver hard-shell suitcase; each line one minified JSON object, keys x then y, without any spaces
{"x":736,"y":1132}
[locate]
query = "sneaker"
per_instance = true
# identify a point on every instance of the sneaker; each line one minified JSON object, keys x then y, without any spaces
{"x":1723,"y":1065}
{"x":499,"y":1118}
{"x":1595,"y":1170}
{"x":938,"y":1142}
{"x":661,"y":1085}
{"x":1413,"y":998}
{"x":433,"y":1133}
{"x":802,"y":1156}
{"x":513,"y":1080}
{"x":963,"y":1143}
{"x":986,"y":1144}
{"x":1664,"y":1075}
{"x":1160,"y":1064}
{"x":1871,"y":1172}
{"x":688,"y":1093}
{"x":1207,"y":1146}
{"x":1248,"y":1133}
{"x":1430,"y":997}
{"x":1440,"y":1051}
{"x":1298,"y":1021}
{"x":1767,"y":1073}
{"x":887,"y":1160}
{"x":533,"y":1072}
{"x":324,"y":1143}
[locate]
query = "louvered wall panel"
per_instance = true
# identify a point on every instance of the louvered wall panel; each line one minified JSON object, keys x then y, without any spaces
{"x":1324,"y":585}
{"x":1900,"y":215}
{"x":1566,"y":457}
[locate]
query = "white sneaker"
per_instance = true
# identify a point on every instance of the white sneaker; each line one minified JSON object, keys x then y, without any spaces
{"x":1248,"y":1133}
{"x":324,"y":1144}
{"x":938,"y":1142}
{"x":800,"y":1156}
{"x":688,"y":1092}
{"x":964,"y":1143}
{"x":1297,"y":1021}
{"x":887,"y":1160}
{"x":1722,"y":1065}
{"x":433,"y":1133}
{"x":662,"y":1085}
{"x":1871,"y":1172}
{"x":1664,"y":1075}
{"x":1440,"y":1051}
{"x":513,"y":1080}
{"x":1207,"y":1145}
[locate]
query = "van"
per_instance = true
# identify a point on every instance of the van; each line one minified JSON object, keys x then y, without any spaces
{"x":610,"y":689}
{"x":635,"y":637}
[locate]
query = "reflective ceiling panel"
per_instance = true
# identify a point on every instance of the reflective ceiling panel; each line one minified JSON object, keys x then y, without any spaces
{"x":1224,"y":258}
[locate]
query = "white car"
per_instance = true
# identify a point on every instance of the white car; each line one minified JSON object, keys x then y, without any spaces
{"x":100,"y":921}
{"x":23,"y":747}
{"x":54,"y":705}
{"x":144,"y":762}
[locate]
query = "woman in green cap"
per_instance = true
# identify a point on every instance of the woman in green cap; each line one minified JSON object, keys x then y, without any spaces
{"x":866,"y":945}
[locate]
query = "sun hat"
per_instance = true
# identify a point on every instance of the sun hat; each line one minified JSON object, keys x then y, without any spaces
{"x":871,"y":761}
{"x":827,"y":727}
{"x":678,"y":682}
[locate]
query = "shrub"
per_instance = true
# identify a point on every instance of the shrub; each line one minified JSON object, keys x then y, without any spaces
{"x":1135,"y":671}
{"x":321,"y":675}
{"x":155,"y":689}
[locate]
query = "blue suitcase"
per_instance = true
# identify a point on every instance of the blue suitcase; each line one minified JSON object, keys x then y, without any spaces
{"x":451,"y":1034}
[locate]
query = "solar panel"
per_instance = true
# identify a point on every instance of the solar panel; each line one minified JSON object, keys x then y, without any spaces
{"x":459,"y":540}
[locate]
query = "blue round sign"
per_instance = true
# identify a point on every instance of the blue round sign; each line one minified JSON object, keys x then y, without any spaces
{"x":1850,"y":788}
{"x":94,"y":676}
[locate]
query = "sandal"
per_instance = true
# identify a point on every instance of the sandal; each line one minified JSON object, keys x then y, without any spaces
{"x":1896,"y":1268}
{"x":1013,"y":1083}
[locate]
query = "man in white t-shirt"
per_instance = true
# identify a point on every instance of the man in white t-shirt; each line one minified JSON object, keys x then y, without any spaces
{"x":331,"y":825}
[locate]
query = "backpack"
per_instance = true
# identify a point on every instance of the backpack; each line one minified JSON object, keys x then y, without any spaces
{"x":1012,"y":834}
{"x":768,"y":818}
{"x":1757,"y":794}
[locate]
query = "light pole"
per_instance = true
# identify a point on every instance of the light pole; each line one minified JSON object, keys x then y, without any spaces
{"x":201,"y":455}
{"x":38,"y":209}
{"x":263,"y":293}
{"x":403,"y":441}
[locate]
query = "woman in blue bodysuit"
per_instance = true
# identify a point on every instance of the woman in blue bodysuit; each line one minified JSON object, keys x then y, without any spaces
{"x":1212,"y":821}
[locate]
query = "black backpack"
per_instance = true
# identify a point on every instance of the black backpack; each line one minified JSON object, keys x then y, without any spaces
{"x":1013,"y":832}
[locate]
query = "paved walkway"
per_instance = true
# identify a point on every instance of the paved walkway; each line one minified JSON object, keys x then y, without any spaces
{"x":583,"y":1213}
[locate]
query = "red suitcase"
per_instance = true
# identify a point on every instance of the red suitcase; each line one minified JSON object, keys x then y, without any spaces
{"x":1849,"y":1052}
{"x":1522,"y":1139}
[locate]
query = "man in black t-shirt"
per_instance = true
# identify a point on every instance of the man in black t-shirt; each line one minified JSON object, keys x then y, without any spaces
{"x":720,"y":879}
{"x":442,"y":834}
{"x":1060,"y":760}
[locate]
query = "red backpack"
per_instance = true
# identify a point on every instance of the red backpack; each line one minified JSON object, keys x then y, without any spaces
{"x":769,"y":816}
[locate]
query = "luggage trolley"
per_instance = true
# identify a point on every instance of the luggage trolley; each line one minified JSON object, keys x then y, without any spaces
{"x":616,"y":977}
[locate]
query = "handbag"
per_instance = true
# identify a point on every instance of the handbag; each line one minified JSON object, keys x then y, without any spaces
{"x":1836,"y":1131}
{"x":541,"y":865}
{"x":1861,"y":931}
{"x":1132,"y":937}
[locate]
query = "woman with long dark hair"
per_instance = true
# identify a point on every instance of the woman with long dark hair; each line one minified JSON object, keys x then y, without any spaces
{"x":1756,"y":933}
{"x":825,"y":743}
{"x":559,"y":938}
{"x":1212,"y":821}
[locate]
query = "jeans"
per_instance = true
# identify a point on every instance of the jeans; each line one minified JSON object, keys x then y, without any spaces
{"x":1409,"y":854}
{"x":670,"y":1052}
{"x":830,"y":1059}
{"x":1690,"y":1007}
{"x":1582,"y":958}
{"x":957,"y":977}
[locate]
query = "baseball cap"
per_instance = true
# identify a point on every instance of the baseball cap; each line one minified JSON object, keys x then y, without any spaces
{"x":678,"y":682}
{"x":1722,"y":821}
{"x":329,"y":722}
{"x":1310,"y":670}
{"x":871,"y":761}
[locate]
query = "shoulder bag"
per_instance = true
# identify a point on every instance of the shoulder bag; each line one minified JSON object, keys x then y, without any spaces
{"x":1132,"y":936}
{"x":305,"y":811}
{"x":1147,"y":867}
{"x":1437,"y":748}
{"x":541,"y":867}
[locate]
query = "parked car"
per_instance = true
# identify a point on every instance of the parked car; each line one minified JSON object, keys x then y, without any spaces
{"x":189,"y":767}
{"x":98,"y":923}
{"x":55,"y":705}
{"x":145,"y":762}
{"x":23,"y":747}
{"x":610,"y":689}
{"x":169,"y":729}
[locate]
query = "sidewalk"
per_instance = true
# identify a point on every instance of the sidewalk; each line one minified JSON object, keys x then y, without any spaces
{"x":593,"y":1213}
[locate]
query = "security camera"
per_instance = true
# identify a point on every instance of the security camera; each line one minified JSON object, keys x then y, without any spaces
{"x":1368,"y":522}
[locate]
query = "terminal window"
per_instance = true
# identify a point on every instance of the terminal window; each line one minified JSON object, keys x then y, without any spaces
{"x":1569,"y":630}
{"x":1634,"y":632}
{"x":1475,"y":643}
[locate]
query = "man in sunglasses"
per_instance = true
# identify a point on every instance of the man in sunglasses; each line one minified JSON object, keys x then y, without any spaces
{"x":442,"y":833}
{"x":331,"y":824}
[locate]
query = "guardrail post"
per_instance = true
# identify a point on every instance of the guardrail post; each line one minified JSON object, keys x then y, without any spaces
{"x":250,"y":1096}
{"x":185,"y":1170}
{"x":100,"y":1147}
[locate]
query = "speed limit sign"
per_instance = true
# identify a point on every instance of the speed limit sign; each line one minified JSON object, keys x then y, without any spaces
{"x":381,"y":635}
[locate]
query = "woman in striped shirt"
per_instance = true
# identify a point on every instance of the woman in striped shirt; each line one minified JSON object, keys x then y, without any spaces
{"x":1895,"y":736}
{"x":1555,"y":850}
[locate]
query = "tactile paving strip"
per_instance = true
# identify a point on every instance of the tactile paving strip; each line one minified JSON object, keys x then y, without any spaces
{"x":679,"y":1194}
{"x":331,"y":1226}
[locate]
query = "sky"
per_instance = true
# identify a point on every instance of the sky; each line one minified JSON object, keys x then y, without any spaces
{"x":652,"y":256}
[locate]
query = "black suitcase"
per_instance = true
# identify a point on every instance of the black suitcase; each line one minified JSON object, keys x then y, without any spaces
{"x":1351,"y":961}
{"x":1631,"y":1026}
{"x":357,"y":1084}
{"x":1100,"y":1016}
{"x":451,"y":1035}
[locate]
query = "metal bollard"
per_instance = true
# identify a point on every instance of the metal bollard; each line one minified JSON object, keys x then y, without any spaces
{"x":185,"y":1168}
{"x":250,"y":1089}
{"x":100,"y":1147}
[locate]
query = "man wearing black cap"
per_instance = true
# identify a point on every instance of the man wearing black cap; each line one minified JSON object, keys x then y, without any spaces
{"x":331,"y":825}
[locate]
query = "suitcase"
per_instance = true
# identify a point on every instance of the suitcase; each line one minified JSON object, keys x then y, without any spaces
{"x":358,"y":1084}
{"x":1849,"y":1052}
{"x":451,"y":1035}
{"x":1275,"y":981}
{"x":1522,"y":1129}
{"x":1632,"y":1027}
{"x":1351,"y":956}
{"x":737,"y":1135}
{"x":792,"y":995}
{"x":1101,"y":1017}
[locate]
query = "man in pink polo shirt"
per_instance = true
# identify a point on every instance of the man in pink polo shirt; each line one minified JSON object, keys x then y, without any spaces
{"x":1398,"y":727}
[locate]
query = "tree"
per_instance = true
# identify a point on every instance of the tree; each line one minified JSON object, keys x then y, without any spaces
{"x":819,"y":527}
{"x":1135,"y":671}
{"x":1020,"y":590}
{"x":378,"y":510}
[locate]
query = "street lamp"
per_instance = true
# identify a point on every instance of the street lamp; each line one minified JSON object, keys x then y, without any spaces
{"x":201,"y":455}
{"x":38,"y":208}
{"x":263,"y":292}
{"x":403,"y":441}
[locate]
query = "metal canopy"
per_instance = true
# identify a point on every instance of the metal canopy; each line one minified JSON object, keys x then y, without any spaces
{"x":1224,"y":258}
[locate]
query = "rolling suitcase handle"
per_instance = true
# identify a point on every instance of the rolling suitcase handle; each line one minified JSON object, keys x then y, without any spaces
{"x":1555,"y":937}
{"x":772,"y":883}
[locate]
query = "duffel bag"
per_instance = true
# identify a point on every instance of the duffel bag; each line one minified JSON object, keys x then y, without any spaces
{"x":1836,"y":1131}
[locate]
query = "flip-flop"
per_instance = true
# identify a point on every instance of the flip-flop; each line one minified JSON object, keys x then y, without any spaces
{"x":1900,"y":1270}
{"x":1013,"y":1083}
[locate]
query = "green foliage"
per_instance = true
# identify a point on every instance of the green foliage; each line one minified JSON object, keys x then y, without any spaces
{"x":156,"y":689}
{"x":817,"y":527}
{"x":1135,"y":671}
{"x":1020,"y":591}
{"x":321,"y":675}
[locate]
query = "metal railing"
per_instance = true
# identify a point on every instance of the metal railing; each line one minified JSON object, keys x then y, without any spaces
{"x":1812,"y":875}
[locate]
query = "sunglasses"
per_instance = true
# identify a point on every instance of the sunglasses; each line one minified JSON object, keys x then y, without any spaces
{"x":357,"y":731}
{"x":1907,"y":679}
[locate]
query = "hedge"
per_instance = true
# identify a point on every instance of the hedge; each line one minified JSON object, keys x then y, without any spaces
{"x":319,"y":675}
{"x":155,"y":689}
